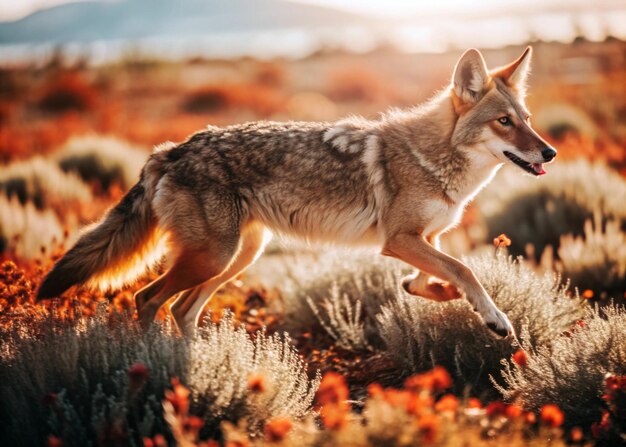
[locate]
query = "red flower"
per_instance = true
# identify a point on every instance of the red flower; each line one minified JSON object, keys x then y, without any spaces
{"x":496,"y":408}
{"x":49,"y":399}
{"x":53,"y":441}
{"x":159,"y":441}
{"x":276,"y":430}
{"x":147,"y":442}
{"x":137,"y":375}
{"x":552,"y":415}
{"x":600,"y":429}
{"x":520,"y":358}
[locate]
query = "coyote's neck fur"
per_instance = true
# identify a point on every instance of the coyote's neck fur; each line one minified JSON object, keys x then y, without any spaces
{"x":420,"y":141}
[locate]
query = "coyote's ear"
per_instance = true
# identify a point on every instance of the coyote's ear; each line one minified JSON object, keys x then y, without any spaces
{"x":515,"y":74}
{"x":470,"y":76}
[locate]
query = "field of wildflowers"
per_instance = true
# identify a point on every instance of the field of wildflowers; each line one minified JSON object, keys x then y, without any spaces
{"x":314,"y":346}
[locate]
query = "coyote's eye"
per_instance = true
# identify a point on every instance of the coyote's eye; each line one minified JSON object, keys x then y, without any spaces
{"x":504,"y":120}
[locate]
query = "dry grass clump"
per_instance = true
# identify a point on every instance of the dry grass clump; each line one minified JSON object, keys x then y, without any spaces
{"x":571,"y":370}
{"x":338,"y":279}
{"x":261,"y":99}
{"x":540,"y":211}
{"x":25,"y":231}
{"x":419,"y":333}
{"x":66,"y":92}
{"x":105,"y":161}
{"x":597,"y":261}
{"x":43,"y":183}
{"x":102,"y":379}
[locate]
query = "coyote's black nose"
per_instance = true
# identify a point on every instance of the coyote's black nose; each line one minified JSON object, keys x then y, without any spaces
{"x":548,"y":153}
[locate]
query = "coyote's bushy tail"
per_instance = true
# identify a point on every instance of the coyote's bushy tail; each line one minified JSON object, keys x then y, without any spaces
{"x":114,"y":252}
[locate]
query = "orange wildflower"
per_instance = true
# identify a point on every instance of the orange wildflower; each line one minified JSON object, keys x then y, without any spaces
{"x":588,"y":294}
{"x":436,"y":380}
{"x":178,"y":397}
{"x":448,"y":403}
{"x":332,"y":395}
{"x":256,"y":383}
{"x":276,"y":429}
{"x":332,"y":389}
{"x":375,"y":390}
{"x":334,"y":417}
{"x":428,"y":427}
{"x":502,"y":241}
{"x":552,"y":415}
{"x":513,"y":411}
{"x":474,"y":403}
{"x":520,"y":358}
{"x":577,"y":435}
{"x":193,"y":425}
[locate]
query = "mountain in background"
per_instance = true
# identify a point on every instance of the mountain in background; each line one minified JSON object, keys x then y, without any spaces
{"x":135,"y":19}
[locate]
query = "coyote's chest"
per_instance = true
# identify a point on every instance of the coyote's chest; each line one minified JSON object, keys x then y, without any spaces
{"x":443,"y":213}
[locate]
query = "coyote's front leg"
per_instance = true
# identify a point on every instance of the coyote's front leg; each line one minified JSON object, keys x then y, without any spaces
{"x":413,"y":249}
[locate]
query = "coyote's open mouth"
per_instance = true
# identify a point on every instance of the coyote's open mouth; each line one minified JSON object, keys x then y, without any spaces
{"x":532,"y":168}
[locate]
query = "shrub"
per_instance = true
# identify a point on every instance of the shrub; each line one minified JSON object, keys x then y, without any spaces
{"x":596,"y":261}
{"x":540,"y":211}
{"x":342,"y":320}
{"x":67,"y":92}
{"x":359,"y":275}
{"x":260,"y":99}
{"x":94,"y":390}
{"x":570,"y":371}
{"x":358,"y":84}
{"x":42,"y":183}
{"x":419,"y":334}
{"x":104,"y":160}
{"x":26,"y":231}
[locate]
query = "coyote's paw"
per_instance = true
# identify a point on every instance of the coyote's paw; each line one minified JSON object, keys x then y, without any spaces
{"x":498,"y":323}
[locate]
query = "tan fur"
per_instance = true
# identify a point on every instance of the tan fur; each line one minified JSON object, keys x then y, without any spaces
{"x":398,"y":182}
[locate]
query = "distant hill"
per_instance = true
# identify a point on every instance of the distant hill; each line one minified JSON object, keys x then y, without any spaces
{"x":89,"y":21}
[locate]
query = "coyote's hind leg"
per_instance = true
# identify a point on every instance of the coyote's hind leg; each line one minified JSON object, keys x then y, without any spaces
{"x":188,"y":306}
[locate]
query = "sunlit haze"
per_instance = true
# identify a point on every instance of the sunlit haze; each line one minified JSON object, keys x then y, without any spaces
{"x":11,"y":10}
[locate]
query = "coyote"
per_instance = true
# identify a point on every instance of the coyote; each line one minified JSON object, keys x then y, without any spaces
{"x":397,"y":182}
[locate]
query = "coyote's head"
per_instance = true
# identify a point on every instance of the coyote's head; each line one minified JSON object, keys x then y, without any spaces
{"x":492,"y":116}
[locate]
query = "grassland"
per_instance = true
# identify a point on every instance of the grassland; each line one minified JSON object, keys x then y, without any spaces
{"x":316,"y":346}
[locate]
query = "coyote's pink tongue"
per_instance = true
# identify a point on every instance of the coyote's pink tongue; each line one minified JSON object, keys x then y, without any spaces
{"x":538,"y":168}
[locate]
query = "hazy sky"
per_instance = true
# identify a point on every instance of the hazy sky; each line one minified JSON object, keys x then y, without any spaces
{"x":13,"y":9}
